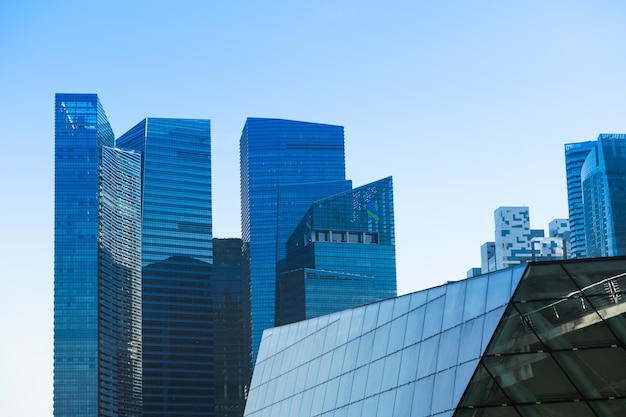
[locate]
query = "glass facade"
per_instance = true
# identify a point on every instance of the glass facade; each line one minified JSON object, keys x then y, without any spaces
{"x":178,"y":376}
{"x":341,"y":255}
{"x":575,"y":155}
{"x":603,"y":177}
{"x":285,"y":166}
{"x":538,"y":339}
{"x":97,"y":270}
{"x":233,"y":361}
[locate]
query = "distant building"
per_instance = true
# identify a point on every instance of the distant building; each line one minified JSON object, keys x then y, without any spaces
{"x":285,"y":166}
{"x":177,"y":253}
{"x":516,"y":243}
{"x":603,"y":177}
{"x":539,"y":339}
{"x":341,"y":255}
{"x":575,"y":155}
{"x":231,"y":312}
{"x":97,"y":265}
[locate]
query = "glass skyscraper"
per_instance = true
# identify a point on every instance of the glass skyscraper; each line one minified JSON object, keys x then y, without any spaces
{"x":341,"y":255}
{"x":285,"y":167}
{"x":537,"y":339}
{"x":178,"y":375}
{"x":575,"y":155}
{"x":97,"y":265}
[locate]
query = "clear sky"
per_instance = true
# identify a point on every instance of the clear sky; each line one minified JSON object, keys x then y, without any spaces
{"x":467,"y":104}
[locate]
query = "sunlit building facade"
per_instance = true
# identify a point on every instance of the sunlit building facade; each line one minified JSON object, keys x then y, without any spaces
{"x":178,"y":372}
{"x":285,"y":166}
{"x":341,"y":255}
{"x":537,"y":339}
{"x":97,"y":265}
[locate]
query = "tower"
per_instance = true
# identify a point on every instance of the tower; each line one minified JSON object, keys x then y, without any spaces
{"x":176,"y":265}
{"x":341,"y":255}
{"x":285,"y":166}
{"x":97,"y":265}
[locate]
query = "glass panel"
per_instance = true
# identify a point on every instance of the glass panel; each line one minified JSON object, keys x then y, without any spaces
{"x":331,"y":340}
{"x":428,"y":357}
{"x":343,"y":392}
{"x":356,"y":323}
{"x":365,"y":349}
{"x":318,"y":399}
{"x":330,"y":397}
{"x":415,"y":323}
{"x":476,"y":297}
{"x":483,"y":391}
{"x":401,"y":306}
{"x":462,"y":379}
{"x":408,"y":367}
{"x":448,"y":349}
{"x":598,"y":373}
{"x":381,"y":339}
{"x":370,"y":405}
{"x":455,"y":300}
{"x":396,"y":335}
{"x":578,"y":409}
{"x":404,"y":401}
{"x":385,"y":403}
{"x":550,"y":281}
{"x":436,"y":292}
{"x":352,"y":350}
{"x":354,"y":410}
{"x":374,"y":377}
{"x":325,"y":363}
{"x":337,"y":363}
{"x":311,"y":378}
{"x":385,"y":312}
{"x":434,"y":315}
{"x":344,"y":327}
{"x":418,"y":299}
{"x":609,"y":408}
{"x":371,"y":317}
{"x":530,"y":377}
{"x":307,"y":401}
{"x":491,"y":322}
{"x":471,"y":336}
{"x":358,"y":384}
{"x":422,"y":396}
{"x":390,"y":372}
{"x":499,"y":289}
{"x":444,"y":386}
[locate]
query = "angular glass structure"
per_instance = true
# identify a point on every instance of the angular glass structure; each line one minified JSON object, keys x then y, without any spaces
{"x":341,"y":255}
{"x":285,"y":167}
{"x":97,"y":265}
{"x":538,"y":339}
{"x":177,"y":255}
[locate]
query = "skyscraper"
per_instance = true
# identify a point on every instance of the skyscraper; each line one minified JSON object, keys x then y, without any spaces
{"x":285,"y":166}
{"x":341,"y":255}
{"x":603,"y":178}
{"x":97,"y":270}
{"x":231,"y":302}
{"x":176,"y":261}
{"x":575,"y":155}
{"x":512,"y":236}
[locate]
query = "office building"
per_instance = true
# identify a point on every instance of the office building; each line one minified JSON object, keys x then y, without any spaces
{"x":97,"y":269}
{"x":231,"y":318}
{"x":575,"y":155}
{"x":285,"y":167}
{"x":603,"y":178}
{"x":341,"y":255}
{"x":178,"y":372}
{"x":536,"y":339}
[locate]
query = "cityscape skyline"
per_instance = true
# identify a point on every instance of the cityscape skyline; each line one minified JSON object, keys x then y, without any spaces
{"x":466,"y":105}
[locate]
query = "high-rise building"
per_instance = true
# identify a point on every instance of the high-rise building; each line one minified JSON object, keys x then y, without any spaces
{"x":178,"y":372}
{"x":512,"y":236}
{"x":97,"y":265}
{"x":285,"y":167}
{"x":537,"y":339}
{"x":341,"y":255}
{"x":231,"y":318}
{"x":575,"y":155}
{"x":603,"y":178}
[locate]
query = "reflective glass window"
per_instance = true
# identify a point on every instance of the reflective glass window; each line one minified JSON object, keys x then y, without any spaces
{"x":448,"y":348}
{"x":423,"y":396}
{"x":434,"y":316}
{"x":455,"y":301}
{"x":428,"y":356}
{"x":444,"y":383}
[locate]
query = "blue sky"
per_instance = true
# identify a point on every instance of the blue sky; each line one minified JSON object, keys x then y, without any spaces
{"x":466,"y":104}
